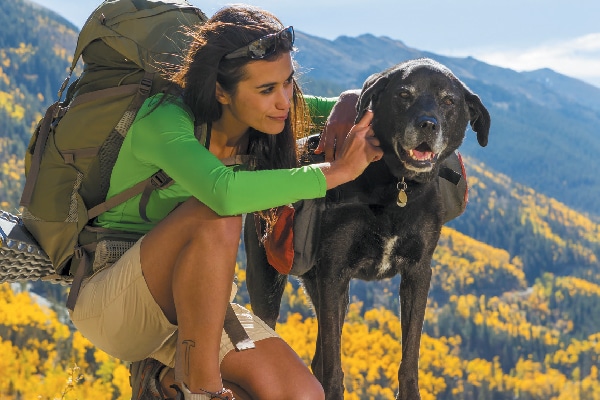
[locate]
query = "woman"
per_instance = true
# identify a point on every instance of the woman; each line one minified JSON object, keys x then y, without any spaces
{"x":165,"y":300}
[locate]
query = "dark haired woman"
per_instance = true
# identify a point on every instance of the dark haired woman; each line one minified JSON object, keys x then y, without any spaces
{"x":165,"y":301}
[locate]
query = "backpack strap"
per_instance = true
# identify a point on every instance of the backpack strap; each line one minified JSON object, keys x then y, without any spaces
{"x":153,"y":182}
{"x":159,"y":180}
{"x":84,"y":269}
{"x":450,"y":175}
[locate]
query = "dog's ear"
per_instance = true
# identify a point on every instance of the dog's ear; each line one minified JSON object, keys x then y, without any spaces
{"x":479,"y":118}
{"x":370,"y":91}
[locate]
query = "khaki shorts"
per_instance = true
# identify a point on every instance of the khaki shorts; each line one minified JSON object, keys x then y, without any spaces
{"x":116,"y":312}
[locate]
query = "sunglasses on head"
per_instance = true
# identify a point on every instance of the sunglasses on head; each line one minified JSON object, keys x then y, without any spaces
{"x":264,"y":46}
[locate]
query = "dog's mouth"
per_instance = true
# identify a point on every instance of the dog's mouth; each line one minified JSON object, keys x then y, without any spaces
{"x":419,"y":159}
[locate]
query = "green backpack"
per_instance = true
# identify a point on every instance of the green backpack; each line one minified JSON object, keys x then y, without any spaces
{"x":125,"y":45}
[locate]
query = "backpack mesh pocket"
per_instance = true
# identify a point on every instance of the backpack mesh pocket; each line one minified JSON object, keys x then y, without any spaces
{"x":108,"y":252}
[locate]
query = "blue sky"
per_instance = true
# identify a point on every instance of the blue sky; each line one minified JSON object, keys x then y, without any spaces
{"x":563,"y":35}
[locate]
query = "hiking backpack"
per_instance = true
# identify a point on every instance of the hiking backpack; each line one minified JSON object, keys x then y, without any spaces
{"x":125,"y":45}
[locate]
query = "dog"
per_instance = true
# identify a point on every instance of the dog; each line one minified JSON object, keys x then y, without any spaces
{"x":392,"y":219}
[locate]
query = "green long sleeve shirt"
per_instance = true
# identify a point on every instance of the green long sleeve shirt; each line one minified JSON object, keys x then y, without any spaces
{"x":164,"y":139}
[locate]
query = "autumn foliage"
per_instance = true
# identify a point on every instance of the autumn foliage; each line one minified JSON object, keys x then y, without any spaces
{"x":518,"y":345}
{"x":43,"y":358}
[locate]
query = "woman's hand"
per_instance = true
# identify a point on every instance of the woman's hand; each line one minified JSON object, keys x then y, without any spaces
{"x":340,"y":121}
{"x":360,"y":148}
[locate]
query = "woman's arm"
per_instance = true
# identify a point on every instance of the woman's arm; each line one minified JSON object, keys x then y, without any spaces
{"x":165,"y":139}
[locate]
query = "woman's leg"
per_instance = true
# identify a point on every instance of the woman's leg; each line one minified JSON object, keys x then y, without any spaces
{"x":188,"y":261}
{"x":272,"y":370}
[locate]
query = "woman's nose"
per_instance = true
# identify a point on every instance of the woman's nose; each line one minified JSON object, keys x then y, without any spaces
{"x":284,"y":99}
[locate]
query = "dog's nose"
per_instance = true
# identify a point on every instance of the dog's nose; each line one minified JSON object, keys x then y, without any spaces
{"x":427,"y":123}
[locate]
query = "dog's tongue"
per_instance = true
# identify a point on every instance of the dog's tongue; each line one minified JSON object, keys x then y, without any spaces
{"x":422,"y":155}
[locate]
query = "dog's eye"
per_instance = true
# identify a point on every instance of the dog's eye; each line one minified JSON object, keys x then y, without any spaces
{"x":404,"y":94}
{"x":448,"y":100}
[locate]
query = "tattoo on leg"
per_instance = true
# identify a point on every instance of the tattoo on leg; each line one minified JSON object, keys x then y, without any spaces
{"x":187,"y":344}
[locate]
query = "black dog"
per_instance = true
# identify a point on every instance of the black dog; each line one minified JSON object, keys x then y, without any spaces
{"x":393,"y":218}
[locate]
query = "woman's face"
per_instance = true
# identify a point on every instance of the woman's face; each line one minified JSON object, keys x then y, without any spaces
{"x":262,"y":99}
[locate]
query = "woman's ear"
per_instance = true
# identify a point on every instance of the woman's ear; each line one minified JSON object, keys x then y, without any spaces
{"x":221,"y":95}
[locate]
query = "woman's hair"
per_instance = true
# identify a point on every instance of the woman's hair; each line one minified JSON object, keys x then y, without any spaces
{"x":231,"y":28}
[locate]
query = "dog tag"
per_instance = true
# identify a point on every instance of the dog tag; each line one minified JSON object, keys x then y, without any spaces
{"x":402,"y":198}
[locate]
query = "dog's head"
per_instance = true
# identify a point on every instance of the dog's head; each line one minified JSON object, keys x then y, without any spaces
{"x":421,"y":111}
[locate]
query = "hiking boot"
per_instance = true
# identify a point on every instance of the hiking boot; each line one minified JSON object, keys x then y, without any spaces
{"x":144,"y":380}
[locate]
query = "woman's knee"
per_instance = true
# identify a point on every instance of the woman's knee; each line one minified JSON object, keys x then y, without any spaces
{"x":199,"y":220}
{"x":294,"y":385}
{"x":260,"y":372}
{"x":305,"y":387}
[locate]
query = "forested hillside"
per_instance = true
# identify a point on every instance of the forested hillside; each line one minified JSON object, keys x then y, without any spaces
{"x":35,"y":50}
{"x":544,"y":233}
{"x":516,"y":279}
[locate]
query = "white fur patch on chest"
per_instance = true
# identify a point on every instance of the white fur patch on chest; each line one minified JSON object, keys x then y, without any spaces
{"x":386,"y":258}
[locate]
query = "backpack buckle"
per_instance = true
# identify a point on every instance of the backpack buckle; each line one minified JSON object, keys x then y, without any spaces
{"x":160,"y":179}
{"x":78,"y":253}
{"x":145,"y":86}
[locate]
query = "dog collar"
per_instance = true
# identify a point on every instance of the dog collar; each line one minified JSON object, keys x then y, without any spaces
{"x":384,"y":194}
